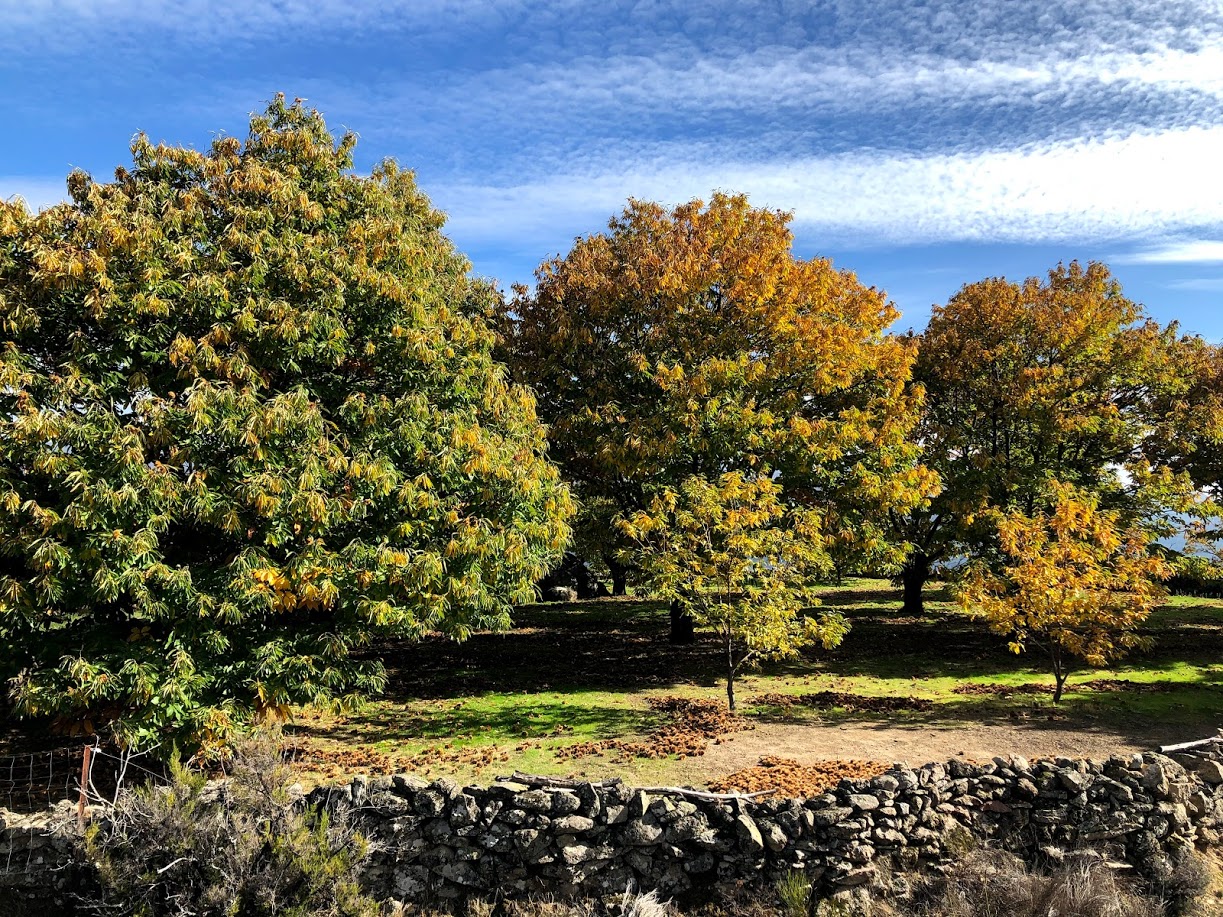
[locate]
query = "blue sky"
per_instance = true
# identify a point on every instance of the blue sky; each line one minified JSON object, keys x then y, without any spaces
{"x":921,"y":143}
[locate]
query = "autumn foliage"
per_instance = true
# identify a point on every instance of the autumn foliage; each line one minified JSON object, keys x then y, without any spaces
{"x":250,"y":420}
{"x":1073,"y":582}
{"x":692,"y":342}
{"x":1059,"y":377}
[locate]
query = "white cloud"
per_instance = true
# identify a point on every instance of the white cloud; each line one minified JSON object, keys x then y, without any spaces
{"x":819,"y":80}
{"x":1192,"y":251}
{"x":1138,"y":186}
{"x":1199,"y":284}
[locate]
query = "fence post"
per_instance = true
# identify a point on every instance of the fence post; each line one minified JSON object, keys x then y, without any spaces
{"x":80,"y":805}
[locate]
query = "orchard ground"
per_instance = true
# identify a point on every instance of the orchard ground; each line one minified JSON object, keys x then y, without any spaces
{"x":594,"y":690}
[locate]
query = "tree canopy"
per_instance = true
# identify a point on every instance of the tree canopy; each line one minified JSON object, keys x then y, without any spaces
{"x":1072,"y":582}
{"x":251,"y":419}
{"x":1060,"y":379}
{"x":692,"y":342}
{"x":739,"y":561}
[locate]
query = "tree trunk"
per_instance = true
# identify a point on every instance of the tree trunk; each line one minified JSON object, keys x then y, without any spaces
{"x":1060,"y":674}
{"x":913,"y":576}
{"x":619,"y":575}
{"x":683,"y":628}
{"x":730,"y":671}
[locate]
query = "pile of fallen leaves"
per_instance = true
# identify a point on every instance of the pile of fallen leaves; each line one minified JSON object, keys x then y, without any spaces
{"x":342,"y":761}
{"x":689,"y":725}
{"x":789,"y":778}
{"x":1115,"y":685}
{"x":850,"y":703}
{"x":976,"y":690}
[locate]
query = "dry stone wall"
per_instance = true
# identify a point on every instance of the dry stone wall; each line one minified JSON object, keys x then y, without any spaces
{"x":441,"y":840}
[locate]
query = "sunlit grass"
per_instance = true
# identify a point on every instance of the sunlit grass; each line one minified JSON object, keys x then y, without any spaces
{"x":584,"y":672}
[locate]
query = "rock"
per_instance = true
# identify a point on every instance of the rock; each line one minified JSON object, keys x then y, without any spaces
{"x":615,"y":815}
{"x":407,"y":784}
{"x":864,"y":802}
{"x":572,"y":824}
{"x":638,"y":804}
{"x":855,"y":877}
{"x":531,"y":844}
{"x":1072,"y":780}
{"x":565,"y":802}
{"x":774,"y":838}
{"x":1155,"y":779}
{"x":1210,"y":771}
{"x":464,"y":812}
{"x":686,"y":828}
{"x":826,"y":818}
{"x":591,"y":801}
{"x":860,"y":853}
{"x":885,"y":782}
{"x":534,"y":801}
{"x":639,"y":833}
{"x":749,"y":835}
{"x":429,"y":802}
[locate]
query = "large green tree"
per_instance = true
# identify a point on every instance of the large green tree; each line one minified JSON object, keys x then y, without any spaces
{"x":250,"y":420}
{"x":692,"y":341}
{"x":1025,"y":383}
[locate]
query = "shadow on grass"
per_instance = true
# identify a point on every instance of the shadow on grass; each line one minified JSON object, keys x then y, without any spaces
{"x":527,"y":719}
{"x":622,"y":646}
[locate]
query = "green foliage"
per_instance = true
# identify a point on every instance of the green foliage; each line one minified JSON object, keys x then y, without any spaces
{"x":250,"y":420}
{"x":243,"y":848}
{"x":738,"y":561}
{"x":794,"y":892}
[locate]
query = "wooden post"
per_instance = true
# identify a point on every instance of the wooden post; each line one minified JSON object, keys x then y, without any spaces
{"x":80,"y":804}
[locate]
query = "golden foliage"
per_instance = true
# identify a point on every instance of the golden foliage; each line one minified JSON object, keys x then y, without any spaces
{"x":1073,"y":582}
{"x":692,"y":341}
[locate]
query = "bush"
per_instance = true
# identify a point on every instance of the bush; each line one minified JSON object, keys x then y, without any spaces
{"x":244,"y":847}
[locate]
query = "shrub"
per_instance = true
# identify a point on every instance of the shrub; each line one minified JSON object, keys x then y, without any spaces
{"x":244,"y":847}
{"x":991,"y":883}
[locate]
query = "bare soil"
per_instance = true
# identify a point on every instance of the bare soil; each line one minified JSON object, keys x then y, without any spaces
{"x":917,"y":744}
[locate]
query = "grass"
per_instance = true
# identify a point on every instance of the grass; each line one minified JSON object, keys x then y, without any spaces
{"x":585,"y":672}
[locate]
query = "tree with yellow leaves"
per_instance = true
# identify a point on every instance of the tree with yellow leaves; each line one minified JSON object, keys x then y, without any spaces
{"x":249,"y":421}
{"x":1071,"y":581}
{"x":692,"y":341}
{"x":738,"y":561}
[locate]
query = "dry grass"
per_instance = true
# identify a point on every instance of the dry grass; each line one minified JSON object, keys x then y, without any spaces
{"x":992,"y":883}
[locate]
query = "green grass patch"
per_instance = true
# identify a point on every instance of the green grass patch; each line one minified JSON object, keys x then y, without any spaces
{"x":584,"y":672}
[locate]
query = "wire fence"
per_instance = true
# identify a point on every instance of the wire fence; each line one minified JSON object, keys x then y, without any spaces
{"x":32,"y":782}
{"x":36,"y":780}
{"x":34,"y":787}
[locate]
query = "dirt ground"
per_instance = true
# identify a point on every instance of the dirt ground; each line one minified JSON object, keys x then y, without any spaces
{"x":917,"y":744}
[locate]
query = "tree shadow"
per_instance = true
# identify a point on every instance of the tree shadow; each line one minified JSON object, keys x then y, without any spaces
{"x":531,"y":719}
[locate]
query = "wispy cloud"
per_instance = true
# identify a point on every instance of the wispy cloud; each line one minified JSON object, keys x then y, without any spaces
{"x":815,"y":80}
{"x":1189,"y":251}
{"x":1199,"y":284}
{"x":1143,"y":185}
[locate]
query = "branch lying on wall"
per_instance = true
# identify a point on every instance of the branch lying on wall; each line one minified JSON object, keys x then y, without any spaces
{"x":1199,"y":743}
{"x":542,"y":780}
